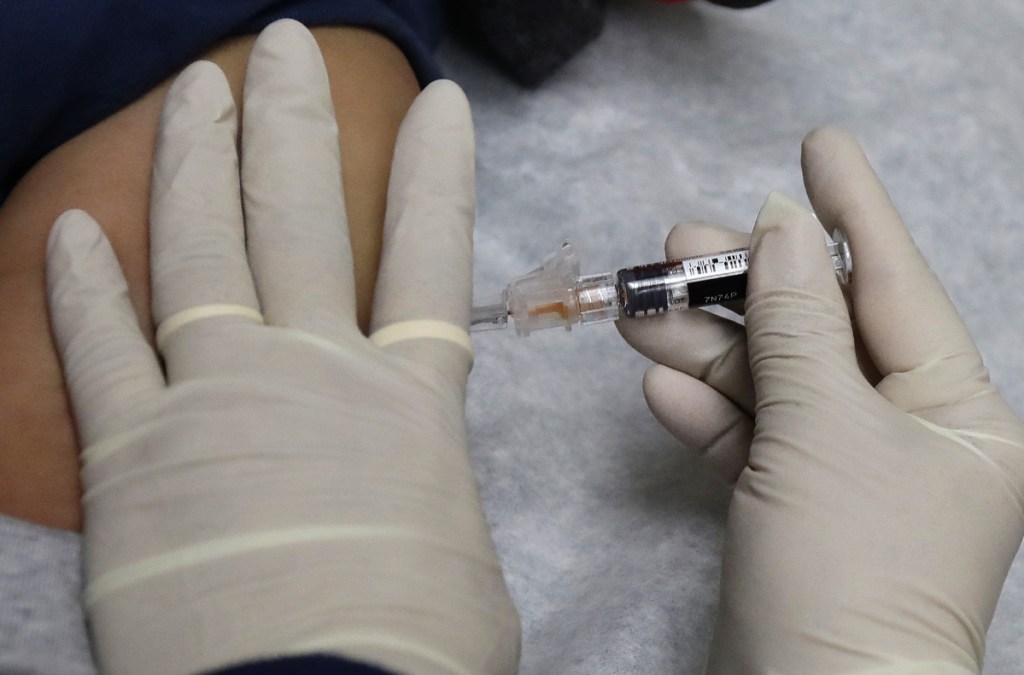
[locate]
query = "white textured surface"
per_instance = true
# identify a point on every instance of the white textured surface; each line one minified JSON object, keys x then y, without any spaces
{"x":608,"y":529}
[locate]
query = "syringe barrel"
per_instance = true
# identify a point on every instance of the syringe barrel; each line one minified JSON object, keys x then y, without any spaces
{"x":702,"y":280}
{"x":679,"y":284}
{"x":555,"y":295}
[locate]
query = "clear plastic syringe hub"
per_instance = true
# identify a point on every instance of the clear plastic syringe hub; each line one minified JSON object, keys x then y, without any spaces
{"x":556,"y":295}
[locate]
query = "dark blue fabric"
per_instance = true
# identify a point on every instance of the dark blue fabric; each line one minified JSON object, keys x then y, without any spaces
{"x":303,"y":665}
{"x":65,"y":65}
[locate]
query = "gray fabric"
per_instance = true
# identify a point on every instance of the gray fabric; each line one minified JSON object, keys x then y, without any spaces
{"x":608,"y":529}
{"x":42,"y":625}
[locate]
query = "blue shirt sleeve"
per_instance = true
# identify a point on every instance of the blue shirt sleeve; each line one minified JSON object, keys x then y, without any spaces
{"x":66,"y":65}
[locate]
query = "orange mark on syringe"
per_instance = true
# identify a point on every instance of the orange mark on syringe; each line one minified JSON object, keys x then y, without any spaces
{"x":558,"y":308}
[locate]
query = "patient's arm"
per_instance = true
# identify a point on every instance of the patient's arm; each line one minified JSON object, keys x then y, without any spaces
{"x":106,"y":171}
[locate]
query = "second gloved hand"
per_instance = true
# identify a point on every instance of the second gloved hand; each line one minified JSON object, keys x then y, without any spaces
{"x":878,"y":504}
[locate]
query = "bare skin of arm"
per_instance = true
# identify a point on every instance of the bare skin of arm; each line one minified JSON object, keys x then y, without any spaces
{"x":106,"y":171}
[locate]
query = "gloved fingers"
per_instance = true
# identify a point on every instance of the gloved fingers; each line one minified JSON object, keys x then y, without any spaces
{"x":700,"y":238}
{"x":909,"y":326}
{"x":424,"y":288}
{"x":197,"y":240}
{"x":792,"y":255}
{"x":108,"y":365}
{"x":706,"y":347}
{"x":690,"y":239}
{"x":697,"y":238}
{"x":291,"y":183}
{"x":700,"y":417}
{"x":795,"y":310}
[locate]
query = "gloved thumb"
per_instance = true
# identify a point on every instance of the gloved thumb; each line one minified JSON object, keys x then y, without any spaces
{"x":798,"y":326}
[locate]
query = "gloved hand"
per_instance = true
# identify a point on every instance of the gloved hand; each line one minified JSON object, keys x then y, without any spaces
{"x":880,"y":507}
{"x":282,"y":484}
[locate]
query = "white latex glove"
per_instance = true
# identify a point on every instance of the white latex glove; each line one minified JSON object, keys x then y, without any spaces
{"x":880,"y":506}
{"x":291,"y":487}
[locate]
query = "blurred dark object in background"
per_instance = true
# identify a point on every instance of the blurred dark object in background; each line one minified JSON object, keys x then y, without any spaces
{"x":530,"y":39}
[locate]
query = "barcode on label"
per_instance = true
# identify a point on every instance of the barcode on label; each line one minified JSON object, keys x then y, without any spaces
{"x":714,"y":265}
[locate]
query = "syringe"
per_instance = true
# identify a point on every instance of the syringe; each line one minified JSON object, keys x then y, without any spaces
{"x":555,"y":294}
